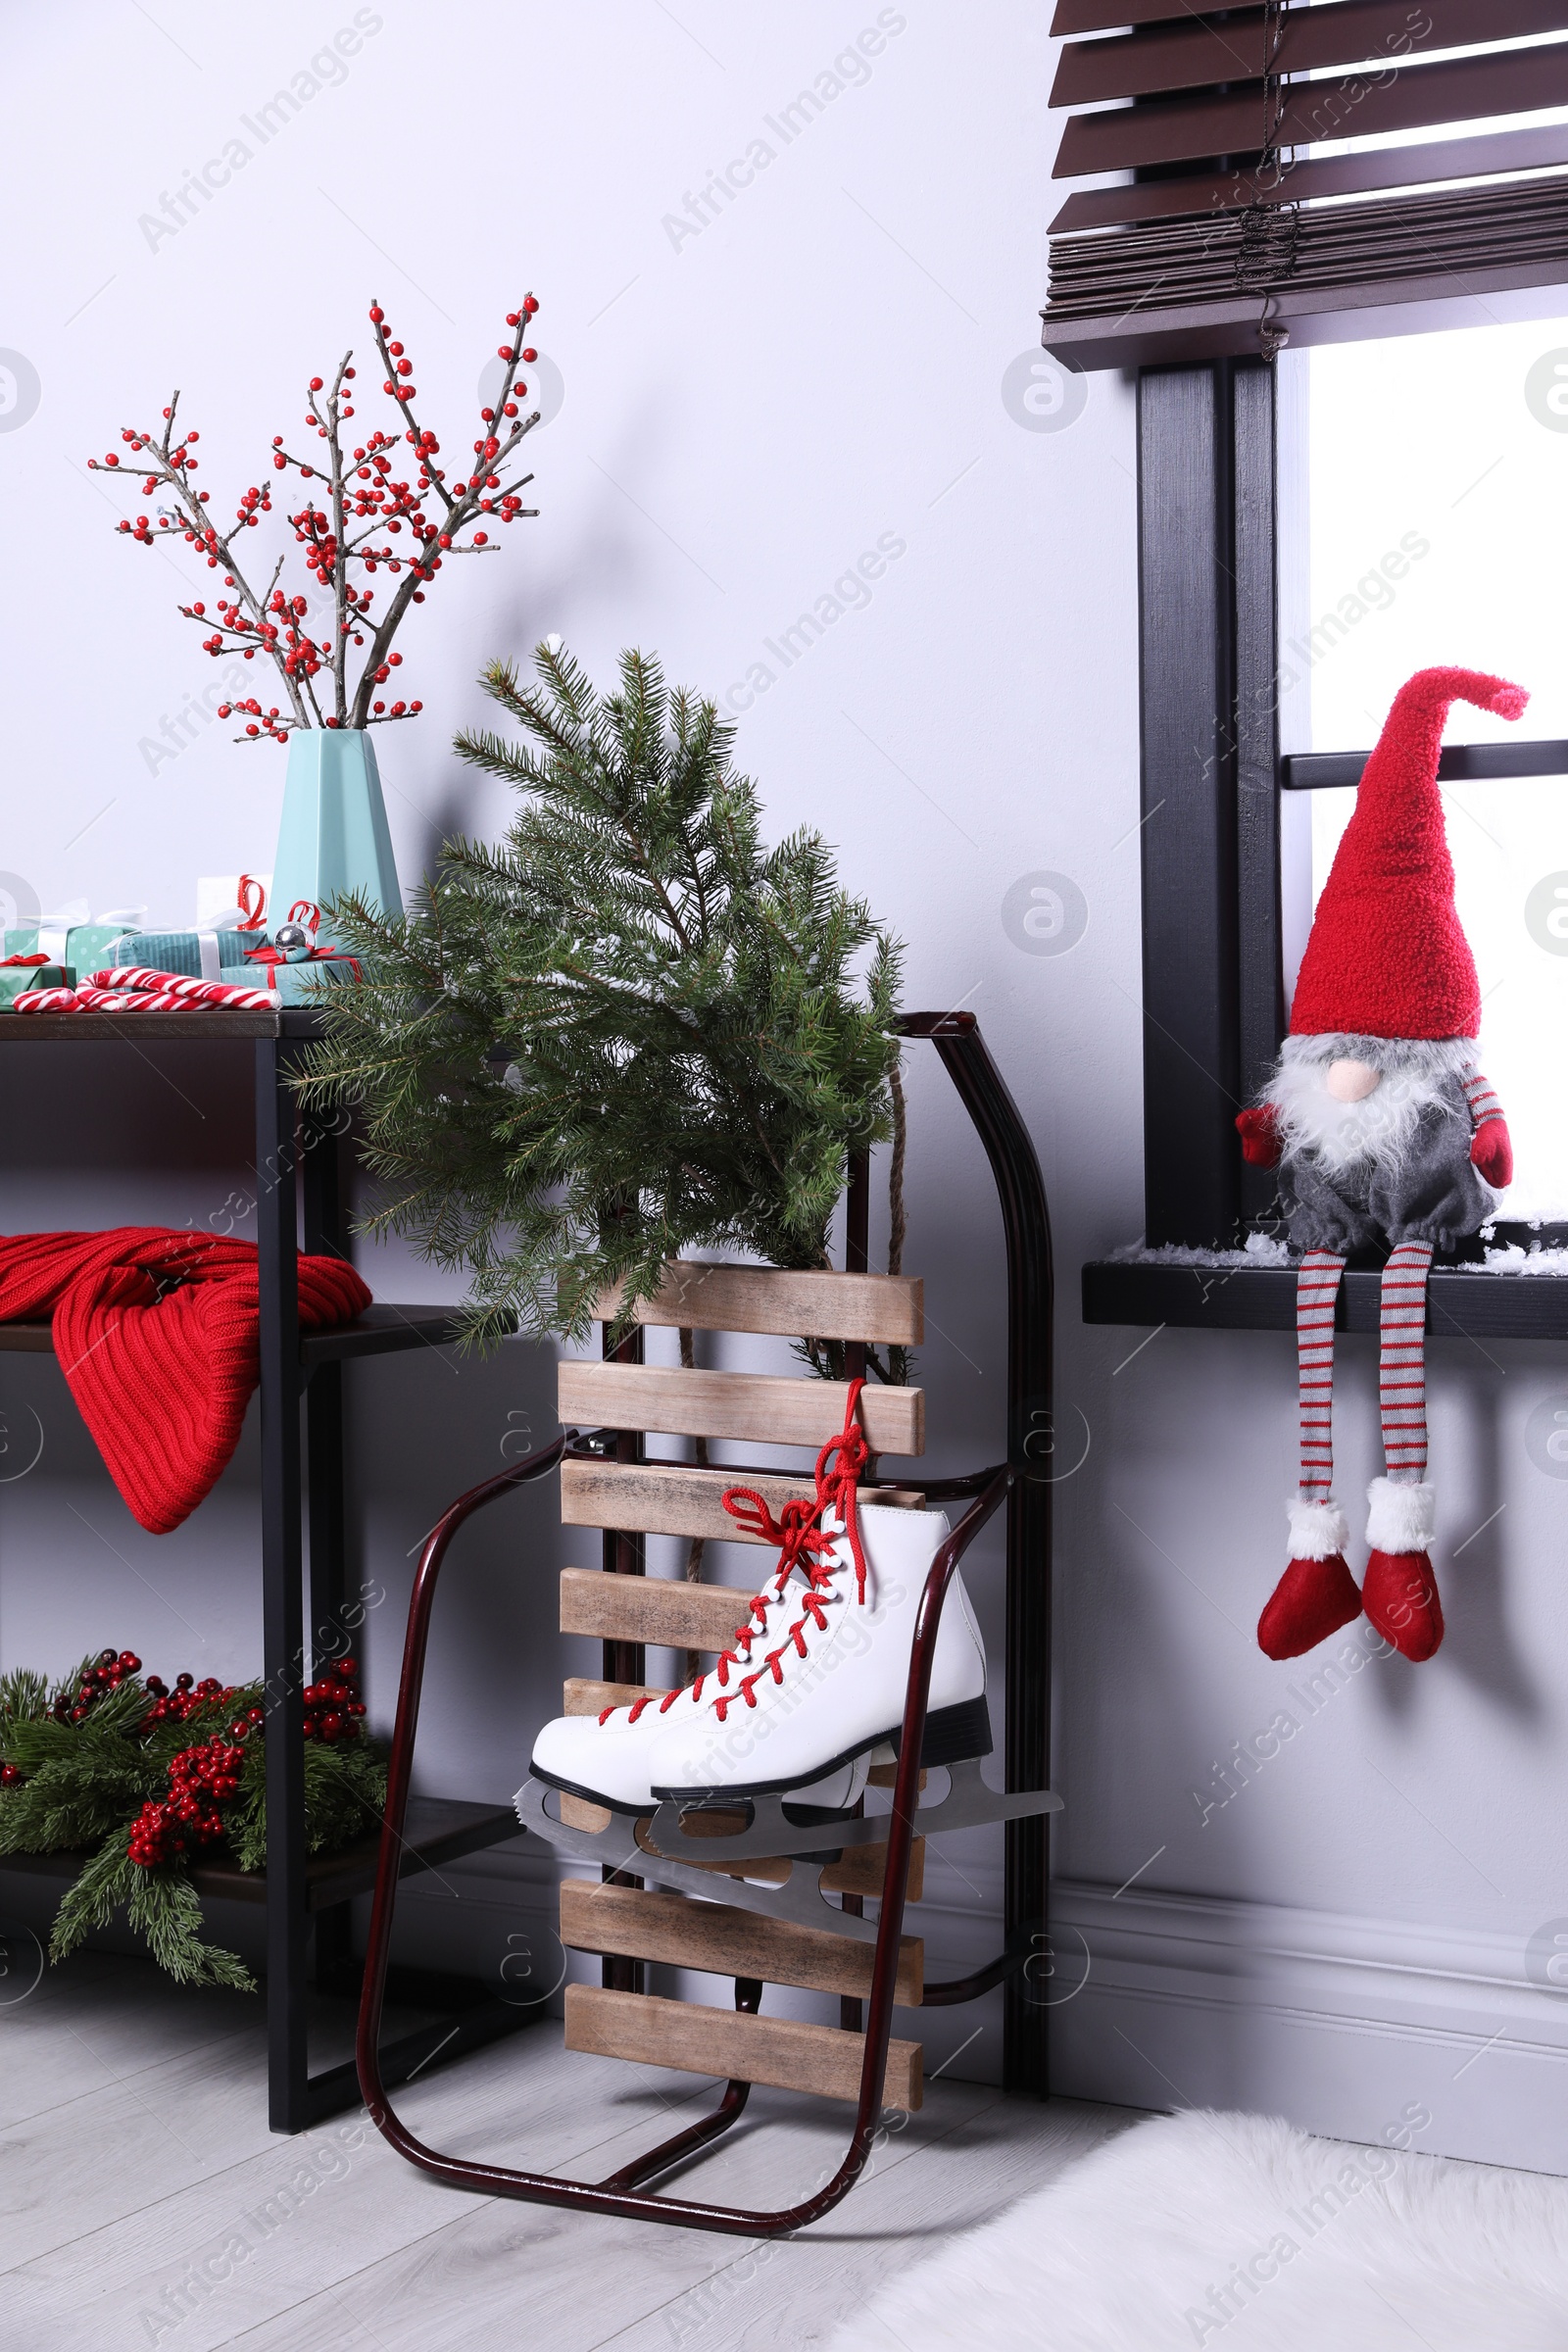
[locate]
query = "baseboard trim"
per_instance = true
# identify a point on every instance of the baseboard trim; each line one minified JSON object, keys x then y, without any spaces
{"x":1343,"y":2025}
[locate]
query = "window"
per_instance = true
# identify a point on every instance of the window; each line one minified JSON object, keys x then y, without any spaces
{"x":1437,"y":531}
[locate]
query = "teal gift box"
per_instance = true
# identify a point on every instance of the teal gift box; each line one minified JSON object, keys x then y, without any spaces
{"x":296,"y":983}
{"x":181,"y":951}
{"x":18,"y":977}
{"x":85,"y":946}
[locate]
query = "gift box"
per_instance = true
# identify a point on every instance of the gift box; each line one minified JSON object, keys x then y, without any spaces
{"x":198,"y":954}
{"x":17,"y":977}
{"x":83,"y":946}
{"x":291,"y":983}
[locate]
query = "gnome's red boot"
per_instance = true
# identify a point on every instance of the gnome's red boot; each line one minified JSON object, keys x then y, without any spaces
{"x":1317,"y":1592}
{"x":1399,"y":1592}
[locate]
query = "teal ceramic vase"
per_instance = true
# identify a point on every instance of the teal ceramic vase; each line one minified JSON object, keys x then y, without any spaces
{"x":333,"y":838}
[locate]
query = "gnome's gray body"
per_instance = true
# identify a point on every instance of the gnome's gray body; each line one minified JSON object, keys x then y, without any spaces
{"x":1413,"y":1181}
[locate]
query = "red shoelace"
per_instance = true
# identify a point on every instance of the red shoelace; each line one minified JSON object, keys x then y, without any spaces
{"x":804,"y":1544}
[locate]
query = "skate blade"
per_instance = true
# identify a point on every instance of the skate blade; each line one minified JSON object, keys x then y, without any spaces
{"x":970,"y":1803}
{"x":799,"y":1899}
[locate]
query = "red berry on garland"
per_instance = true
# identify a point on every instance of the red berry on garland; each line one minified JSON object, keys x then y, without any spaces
{"x":10,"y":1775}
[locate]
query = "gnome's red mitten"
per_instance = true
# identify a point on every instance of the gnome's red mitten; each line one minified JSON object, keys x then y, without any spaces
{"x":1260,"y":1138}
{"x":1399,"y":1592}
{"x":1492,"y":1151}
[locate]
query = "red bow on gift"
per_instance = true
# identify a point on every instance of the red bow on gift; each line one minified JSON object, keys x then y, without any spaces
{"x":252,"y":902}
{"x":307,"y":915}
{"x":6,"y":961}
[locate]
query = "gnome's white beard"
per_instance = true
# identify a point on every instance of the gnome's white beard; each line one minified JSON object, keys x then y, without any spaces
{"x":1378,"y":1130}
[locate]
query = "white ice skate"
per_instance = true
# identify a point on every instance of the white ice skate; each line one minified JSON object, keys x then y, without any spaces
{"x":768,"y":1753}
{"x":828,"y":1689}
{"x":606,"y":1757}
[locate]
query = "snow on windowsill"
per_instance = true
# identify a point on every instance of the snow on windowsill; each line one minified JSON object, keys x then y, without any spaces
{"x":1263,"y":1250}
{"x":1260,"y":1250}
{"x":1512,"y":1259}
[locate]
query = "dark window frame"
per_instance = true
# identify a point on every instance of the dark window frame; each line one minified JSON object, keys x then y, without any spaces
{"x":1213,"y":988}
{"x":1211,"y":490}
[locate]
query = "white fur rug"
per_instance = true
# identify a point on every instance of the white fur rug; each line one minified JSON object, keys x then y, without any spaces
{"x":1240,"y":2234}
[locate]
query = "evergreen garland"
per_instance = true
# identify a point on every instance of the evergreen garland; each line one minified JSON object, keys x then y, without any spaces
{"x":86,"y":1762}
{"x":627,"y":1032}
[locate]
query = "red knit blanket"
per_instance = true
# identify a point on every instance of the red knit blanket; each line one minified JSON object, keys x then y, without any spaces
{"x":157,"y":1333}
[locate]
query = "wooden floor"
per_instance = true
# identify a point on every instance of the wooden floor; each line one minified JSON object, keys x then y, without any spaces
{"x":143,"y":2200}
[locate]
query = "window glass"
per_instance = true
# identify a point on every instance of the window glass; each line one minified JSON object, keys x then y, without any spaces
{"x":1437,"y":504}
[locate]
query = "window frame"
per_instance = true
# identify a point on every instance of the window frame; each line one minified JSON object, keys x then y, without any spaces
{"x":1211,"y":486}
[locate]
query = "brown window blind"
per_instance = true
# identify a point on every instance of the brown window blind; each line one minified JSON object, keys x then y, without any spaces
{"x":1236,"y":230}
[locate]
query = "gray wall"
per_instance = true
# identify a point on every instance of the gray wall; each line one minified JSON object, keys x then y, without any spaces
{"x":750,"y":405}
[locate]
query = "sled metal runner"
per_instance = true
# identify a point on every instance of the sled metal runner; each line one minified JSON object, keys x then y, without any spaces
{"x":657,"y":1848}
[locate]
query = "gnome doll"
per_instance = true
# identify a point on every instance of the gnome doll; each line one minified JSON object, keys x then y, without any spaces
{"x":1384,"y":1131}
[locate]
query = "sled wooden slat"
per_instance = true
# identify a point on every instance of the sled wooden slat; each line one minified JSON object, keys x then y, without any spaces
{"x":578,"y":1696}
{"x":705,"y":1296}
{"x":579,"y":1814}
{"x":662,"y":1610}
{"x":858,"y":1871}
{"x":642,"y":1924}
{"x":759,"y":1407}
{"x":661,"y":1498}
{"x":720,"y":2042}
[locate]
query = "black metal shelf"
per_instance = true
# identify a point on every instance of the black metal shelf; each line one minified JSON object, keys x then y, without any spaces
{"x":382,"y":1330}
{"x":306,"y":1897}
{"x":438,"y":1829}
{"x":143,"y":1028}
{"x":1461,"y":1303}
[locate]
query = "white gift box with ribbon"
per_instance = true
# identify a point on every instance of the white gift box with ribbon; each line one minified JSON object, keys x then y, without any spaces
{"x":53,"y":933}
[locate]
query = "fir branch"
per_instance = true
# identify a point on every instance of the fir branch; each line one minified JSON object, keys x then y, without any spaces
{"x":163,"y":1907}
{"x":85,"y":1783}
{"x":625,"y":1032}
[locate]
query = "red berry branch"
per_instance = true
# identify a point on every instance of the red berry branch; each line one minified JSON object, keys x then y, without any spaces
{"x":367,"y":507}
{"x":206,"y":1777}
{"x":96,"y":1682}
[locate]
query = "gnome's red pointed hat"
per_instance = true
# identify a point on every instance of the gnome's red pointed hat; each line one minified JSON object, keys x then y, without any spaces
{"x":1386,"y":957}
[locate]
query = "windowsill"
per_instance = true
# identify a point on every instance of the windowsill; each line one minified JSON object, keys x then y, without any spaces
{"x":1233,"y":1291}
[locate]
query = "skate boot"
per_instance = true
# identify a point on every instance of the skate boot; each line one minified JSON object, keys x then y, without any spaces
{"x":605,"y":1758}
{"x":827,"y":1689}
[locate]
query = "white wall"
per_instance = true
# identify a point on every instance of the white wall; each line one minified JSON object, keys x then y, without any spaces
{"x":746,"y":410}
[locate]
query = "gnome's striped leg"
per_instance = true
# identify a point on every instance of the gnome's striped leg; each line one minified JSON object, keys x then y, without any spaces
{"x":1317,"y":1287}
{"x":1400,"y":1591}
{"x":1402,"y":1368}
{"x":1317,"y":1592}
